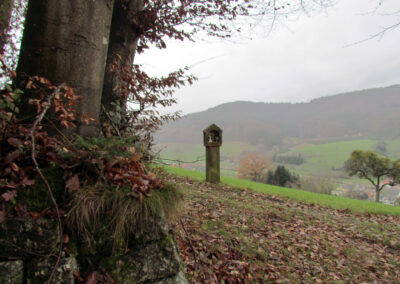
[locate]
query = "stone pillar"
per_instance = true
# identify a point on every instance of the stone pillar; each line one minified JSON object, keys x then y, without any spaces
{"x":212,"y":141}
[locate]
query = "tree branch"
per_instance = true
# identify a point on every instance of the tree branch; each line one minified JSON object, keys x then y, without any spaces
{"x":189,"y":241}
{"x":35,"y":163}
{"x":109,"y":118}
{"x":198,"y":159}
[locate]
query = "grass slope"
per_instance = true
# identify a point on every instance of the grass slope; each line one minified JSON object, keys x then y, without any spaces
{"x":330,"y":201}
{"x":231,"y":235}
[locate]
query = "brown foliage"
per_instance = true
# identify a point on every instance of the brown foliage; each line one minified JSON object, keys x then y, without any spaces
{"x":17,"y":168}
{"x":252,"y":167}
{"x":144,"y":95}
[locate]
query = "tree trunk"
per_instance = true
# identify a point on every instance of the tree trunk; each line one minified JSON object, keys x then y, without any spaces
{"x":377,"y":194}
{"x":67,"y":41}
{"x":124,"y":38}
{"x":5,"y":15}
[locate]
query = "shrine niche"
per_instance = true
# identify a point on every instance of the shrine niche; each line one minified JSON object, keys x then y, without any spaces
{"x":212,"y":137}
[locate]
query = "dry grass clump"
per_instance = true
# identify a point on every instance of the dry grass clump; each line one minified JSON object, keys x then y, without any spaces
{"x":107,"y":214}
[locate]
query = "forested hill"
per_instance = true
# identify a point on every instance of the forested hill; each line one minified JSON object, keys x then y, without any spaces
{"x":368,"y":113}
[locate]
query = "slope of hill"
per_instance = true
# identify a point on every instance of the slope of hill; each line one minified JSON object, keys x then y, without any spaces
{"x":372,"y":113}
{"x":232,"y":235}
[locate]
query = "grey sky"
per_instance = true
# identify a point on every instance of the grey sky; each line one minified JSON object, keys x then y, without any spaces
{"x":304,"y":60}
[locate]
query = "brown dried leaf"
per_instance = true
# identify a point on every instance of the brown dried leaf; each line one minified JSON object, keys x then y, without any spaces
{"x":73,"y":183}
{"x":11,"y":156}
{"x":136,"y":157}
{"x":9,"y":195}
{"x":65,"y":239}
{"x":14,"y":167}
{"x":27,"y":182}
{"x":14,"y":141}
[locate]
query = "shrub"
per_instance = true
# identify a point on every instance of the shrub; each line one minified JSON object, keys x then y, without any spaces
{"x":281,"y":176}
{"x":355,"y":194}
{"x":318,"y":185}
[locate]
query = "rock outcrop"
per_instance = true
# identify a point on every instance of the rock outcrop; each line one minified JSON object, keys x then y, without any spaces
{"x":29,"y":249}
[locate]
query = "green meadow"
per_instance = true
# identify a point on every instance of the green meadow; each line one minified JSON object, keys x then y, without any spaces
{"x":334,"y":202}
{"x":328,"y":159}
{"x":324,"y":159}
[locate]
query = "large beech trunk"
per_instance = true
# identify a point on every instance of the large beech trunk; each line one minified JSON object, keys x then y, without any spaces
{"x":124,"y":37}
{"x":5,"y":15}
{"x":67,"y":41}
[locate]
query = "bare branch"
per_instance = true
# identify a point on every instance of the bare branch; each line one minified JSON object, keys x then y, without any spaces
{"x":377,"y":35}
{"x":110,"y":119}
{"x":198,"y":159}
{"x":35,"y":163}
{"x":189,"y":241}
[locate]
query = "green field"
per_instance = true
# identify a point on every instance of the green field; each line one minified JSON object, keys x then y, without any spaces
{"x":321,"y":159}
{"x":328,"y":159}
{"x":330,"y":201}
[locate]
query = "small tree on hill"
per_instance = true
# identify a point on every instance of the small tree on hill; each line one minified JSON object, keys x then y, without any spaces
{"x":253,"y":167}
{"x":379,"y":171}
{"x":281,"y":176}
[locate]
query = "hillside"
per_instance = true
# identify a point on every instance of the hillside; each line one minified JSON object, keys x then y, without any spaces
{"x":232,"y":235}
{"x":369,"y":113}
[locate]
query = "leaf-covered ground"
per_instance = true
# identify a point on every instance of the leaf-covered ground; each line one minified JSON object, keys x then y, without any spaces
{"x":228,"y":235}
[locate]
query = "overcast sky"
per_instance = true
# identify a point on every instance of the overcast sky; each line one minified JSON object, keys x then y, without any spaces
{"x":307,"y":59}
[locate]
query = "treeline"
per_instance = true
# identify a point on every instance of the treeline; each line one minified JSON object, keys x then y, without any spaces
{"x":288,"y":159}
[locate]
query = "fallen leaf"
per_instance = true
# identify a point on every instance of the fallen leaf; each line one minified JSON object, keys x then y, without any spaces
{"x":73,"y":183}
{"x":14,"y":167}
{"x":9,"y":195}
{"x":14,"y":141}
{"x":65,"y":239}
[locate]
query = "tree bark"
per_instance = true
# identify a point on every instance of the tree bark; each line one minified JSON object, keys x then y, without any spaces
{"x":5,"y":15}
{"x":67,"y":41}
{"x":377,"y":194}
{"x":124,"y":37}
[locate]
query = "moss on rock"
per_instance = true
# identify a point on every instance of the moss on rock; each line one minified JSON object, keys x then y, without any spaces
{"x":152,"y":262}
{"x":39,"y":270}
{"x":21,"y":237}
{"x":36,"y":197}
{"x":12,"y":272}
